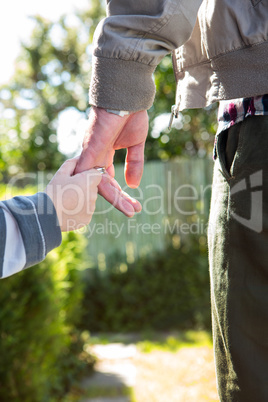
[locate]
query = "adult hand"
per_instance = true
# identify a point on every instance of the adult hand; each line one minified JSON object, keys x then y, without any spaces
{"x":106,"y":133}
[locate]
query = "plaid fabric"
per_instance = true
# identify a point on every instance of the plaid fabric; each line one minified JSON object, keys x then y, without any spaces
{"x":234,"y":111}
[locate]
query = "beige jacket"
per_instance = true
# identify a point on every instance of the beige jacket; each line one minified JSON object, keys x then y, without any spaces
{"x":219,"y":47}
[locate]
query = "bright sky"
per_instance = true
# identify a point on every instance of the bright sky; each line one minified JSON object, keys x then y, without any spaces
{"x":15,"y":25}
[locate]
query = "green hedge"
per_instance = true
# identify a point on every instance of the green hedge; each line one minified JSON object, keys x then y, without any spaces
{"x":166,"y":291}
{"x":40,"y":348}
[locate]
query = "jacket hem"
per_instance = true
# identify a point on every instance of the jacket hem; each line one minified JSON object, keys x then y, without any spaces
{"x":239,"y":74}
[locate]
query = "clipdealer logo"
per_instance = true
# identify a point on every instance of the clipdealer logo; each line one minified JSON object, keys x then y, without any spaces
{"x":255,"y":222}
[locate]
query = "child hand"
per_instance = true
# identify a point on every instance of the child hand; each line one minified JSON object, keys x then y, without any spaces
{"x":74,"y":197}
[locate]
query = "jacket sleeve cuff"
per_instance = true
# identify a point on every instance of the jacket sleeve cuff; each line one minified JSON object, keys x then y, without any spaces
{"x":38,"y":223}
{"x":121,"y":85}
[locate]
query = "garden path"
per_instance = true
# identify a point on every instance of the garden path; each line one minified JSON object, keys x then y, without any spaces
{"x":114,"y":370}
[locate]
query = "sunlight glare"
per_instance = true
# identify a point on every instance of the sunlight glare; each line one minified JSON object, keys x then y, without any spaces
{"x":16,"y":26}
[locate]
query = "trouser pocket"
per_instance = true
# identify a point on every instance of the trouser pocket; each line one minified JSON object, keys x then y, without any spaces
{"x":228,"y":142}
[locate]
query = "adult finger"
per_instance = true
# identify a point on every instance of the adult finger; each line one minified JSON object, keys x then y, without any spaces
{"x":134,"y":165}
{"x":111,"y":191}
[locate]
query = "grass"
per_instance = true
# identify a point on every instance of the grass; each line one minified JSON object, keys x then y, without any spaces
{"x":151,"y":340}
{"x":175,"y":341}
{"x":77,"y":393}
{"x":96,"y":392}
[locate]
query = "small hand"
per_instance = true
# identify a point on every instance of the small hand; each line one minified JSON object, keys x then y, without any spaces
{"x":105,"y":134}
{"x":74,"y":197}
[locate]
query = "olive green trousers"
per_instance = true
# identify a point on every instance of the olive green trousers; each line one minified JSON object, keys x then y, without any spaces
{"x":238,"y":256}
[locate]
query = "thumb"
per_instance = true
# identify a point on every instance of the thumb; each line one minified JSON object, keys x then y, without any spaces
{"x":93,"y":176}
{"x":69,"y":166}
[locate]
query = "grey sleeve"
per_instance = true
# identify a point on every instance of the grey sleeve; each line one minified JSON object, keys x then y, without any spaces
{"x":37,"y":222}
{"x":130,"y":43}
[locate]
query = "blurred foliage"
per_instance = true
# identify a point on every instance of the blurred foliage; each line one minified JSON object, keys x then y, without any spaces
{"x":150,"y":340}
{"x":175,"y":341}
{"x":169,"y":290}
{"x":101,"y":393}
{"x":41,"y":350}
{"x":52,"y":74}
{"x":192,"y":133}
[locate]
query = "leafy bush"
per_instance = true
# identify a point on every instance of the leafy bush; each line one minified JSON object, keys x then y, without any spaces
{"x":167,"y":291}
{"x":40,"y":348}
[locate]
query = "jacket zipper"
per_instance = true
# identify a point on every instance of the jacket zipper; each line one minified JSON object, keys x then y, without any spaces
{"x":174,"y":65}
{"x":174,"y":111}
